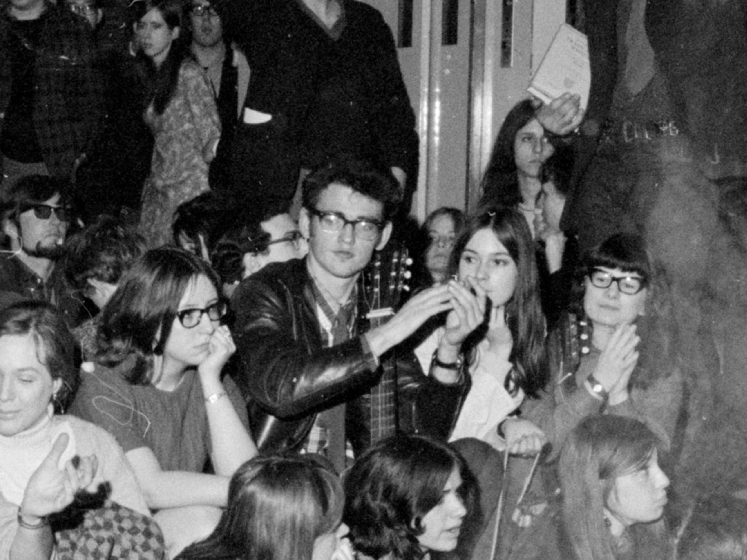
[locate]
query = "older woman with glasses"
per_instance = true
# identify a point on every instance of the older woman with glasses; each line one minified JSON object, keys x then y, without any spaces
{"x":609,"y":356}
{"x":157,"y":386}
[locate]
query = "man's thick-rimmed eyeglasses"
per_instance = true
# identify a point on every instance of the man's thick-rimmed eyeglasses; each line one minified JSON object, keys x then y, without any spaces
{"x":202,"y":10}
{"x":334,"y":222}
{"x":190,"y":318}
{"x":44,"y":212}
{"x":294,"y":238}
{"x":629,"y":285}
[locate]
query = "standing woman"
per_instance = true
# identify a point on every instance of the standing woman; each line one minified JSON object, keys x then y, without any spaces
{"x":614,"y":491}
{"x":158,"y":387}
{"x":180,"y":110}
{"x":495,"y":333}
{"x":512,"y":177}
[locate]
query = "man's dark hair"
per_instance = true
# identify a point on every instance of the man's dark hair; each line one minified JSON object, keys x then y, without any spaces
{"x":29,"y":191}
{"x":361,"y":176}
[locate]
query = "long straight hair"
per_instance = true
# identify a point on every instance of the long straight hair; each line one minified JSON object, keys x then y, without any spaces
{"x":500,"y":182}
{"x":160,"y":82}
{"x":277,"y":508}
{"x":524,"y":310}
{"x":598,"y":451}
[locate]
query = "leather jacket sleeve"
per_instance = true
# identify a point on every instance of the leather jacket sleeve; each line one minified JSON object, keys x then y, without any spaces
{"x":286,"y":370}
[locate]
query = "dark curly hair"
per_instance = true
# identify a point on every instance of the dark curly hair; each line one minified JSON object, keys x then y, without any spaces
{"x":393,"y":486}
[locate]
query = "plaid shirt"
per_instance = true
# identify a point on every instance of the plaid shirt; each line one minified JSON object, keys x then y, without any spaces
{"x":69,"y":88}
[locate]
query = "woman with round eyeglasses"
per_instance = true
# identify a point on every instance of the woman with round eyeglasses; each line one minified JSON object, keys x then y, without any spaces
{"x":609,"y":355}
{"x":157,"y":386}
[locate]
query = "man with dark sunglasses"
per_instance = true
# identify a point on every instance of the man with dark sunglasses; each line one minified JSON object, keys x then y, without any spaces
{"x":35,"y":215}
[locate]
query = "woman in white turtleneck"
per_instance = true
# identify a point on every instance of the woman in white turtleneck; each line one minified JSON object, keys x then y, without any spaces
{"x":48,"y":460}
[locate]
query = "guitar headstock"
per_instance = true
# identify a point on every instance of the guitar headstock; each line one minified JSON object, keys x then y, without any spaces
{"x":385,"y":278}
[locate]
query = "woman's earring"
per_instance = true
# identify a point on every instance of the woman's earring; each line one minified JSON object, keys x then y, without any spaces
{"x":56,"y":404}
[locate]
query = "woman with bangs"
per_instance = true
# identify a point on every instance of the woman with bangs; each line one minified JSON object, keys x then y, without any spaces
{"x":611,"y":355}
{"x":495,"y":332}
{"x":614,"y":491}
{"x":158,"y":386}
{"x":279,"y":509}
{"x":408,"y":498}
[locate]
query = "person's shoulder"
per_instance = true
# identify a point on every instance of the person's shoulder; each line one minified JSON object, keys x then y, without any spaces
{"x":190,"y":69}
{"x":287,"y":274}
{"x":86,"y":431}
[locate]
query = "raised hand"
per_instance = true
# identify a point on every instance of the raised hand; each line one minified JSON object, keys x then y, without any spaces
{"x":468,"y":302}
{"x":562,"y":116}
{"x":221,"y":347}
{"x":52,"y":488}
{"x":618,"y":360}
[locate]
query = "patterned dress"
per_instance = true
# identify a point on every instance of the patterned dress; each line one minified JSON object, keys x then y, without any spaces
{"x":179,"y":171}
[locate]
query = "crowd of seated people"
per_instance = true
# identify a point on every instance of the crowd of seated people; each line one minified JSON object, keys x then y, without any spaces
{"x":225,"y":359}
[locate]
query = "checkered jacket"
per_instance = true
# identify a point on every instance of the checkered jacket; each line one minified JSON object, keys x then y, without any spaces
{"x":69,"y":88}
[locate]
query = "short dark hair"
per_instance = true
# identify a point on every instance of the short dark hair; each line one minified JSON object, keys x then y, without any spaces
{"x":198,"y":216}
{"x":55,"y":345}
{"x":361,"y":176}
{"x":103,"y":251}
{"x":146,"y":302}
{"x":29,"y":191}
{"x":244,"y":235}
{"x":713,"y":528}
{"x":392,"y":487}
{"x":626,"y":251}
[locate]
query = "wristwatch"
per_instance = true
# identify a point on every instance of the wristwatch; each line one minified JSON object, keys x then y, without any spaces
{"x":597,"y":388}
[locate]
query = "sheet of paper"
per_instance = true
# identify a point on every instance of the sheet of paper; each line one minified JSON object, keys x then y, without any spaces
{"x":565,"y":67}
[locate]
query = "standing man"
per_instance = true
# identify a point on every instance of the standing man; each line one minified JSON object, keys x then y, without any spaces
{"x":325,"y":81}
{"x":228,"y":73}
{"x":51,"y":95}
{"x":301,"y":329}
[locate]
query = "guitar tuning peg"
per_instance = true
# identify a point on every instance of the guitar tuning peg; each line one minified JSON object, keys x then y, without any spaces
{"x":408,"y":274}
{"x":408,"y":261}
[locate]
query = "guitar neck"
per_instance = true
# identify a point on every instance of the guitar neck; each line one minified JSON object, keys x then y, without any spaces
{"x":383,"y":399}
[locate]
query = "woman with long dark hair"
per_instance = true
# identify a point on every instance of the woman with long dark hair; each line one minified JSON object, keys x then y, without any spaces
{"x":181,"y":112}
{"x":158,"y":386}
{"x":495,"y":333}
{"x":512,"y":177}
{"x":279,"y":508}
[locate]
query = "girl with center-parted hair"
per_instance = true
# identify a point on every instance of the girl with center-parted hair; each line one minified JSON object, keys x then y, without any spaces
{"x":180,"y":111}
{"x":279,"y":508}
{"x":495,"y":331}
{"x":613,"y":491}
{"x":407,"y":498}
{"x":157,"y":385}
{"x":512,"y":178}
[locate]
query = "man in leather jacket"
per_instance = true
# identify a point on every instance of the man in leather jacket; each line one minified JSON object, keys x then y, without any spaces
{"x":299,"y":324}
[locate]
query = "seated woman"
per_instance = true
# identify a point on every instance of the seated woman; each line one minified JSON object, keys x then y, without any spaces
{"x":512,"y":178}
{"x":278,"y":509}
{"x":64,"y":483}
{"x":407,"y":498}
{"x":597,"y":359}
{"x":439,"y":231}
{"x":614,"y":491}
{"x":157,"y":386}
{"x":495,"y":331}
